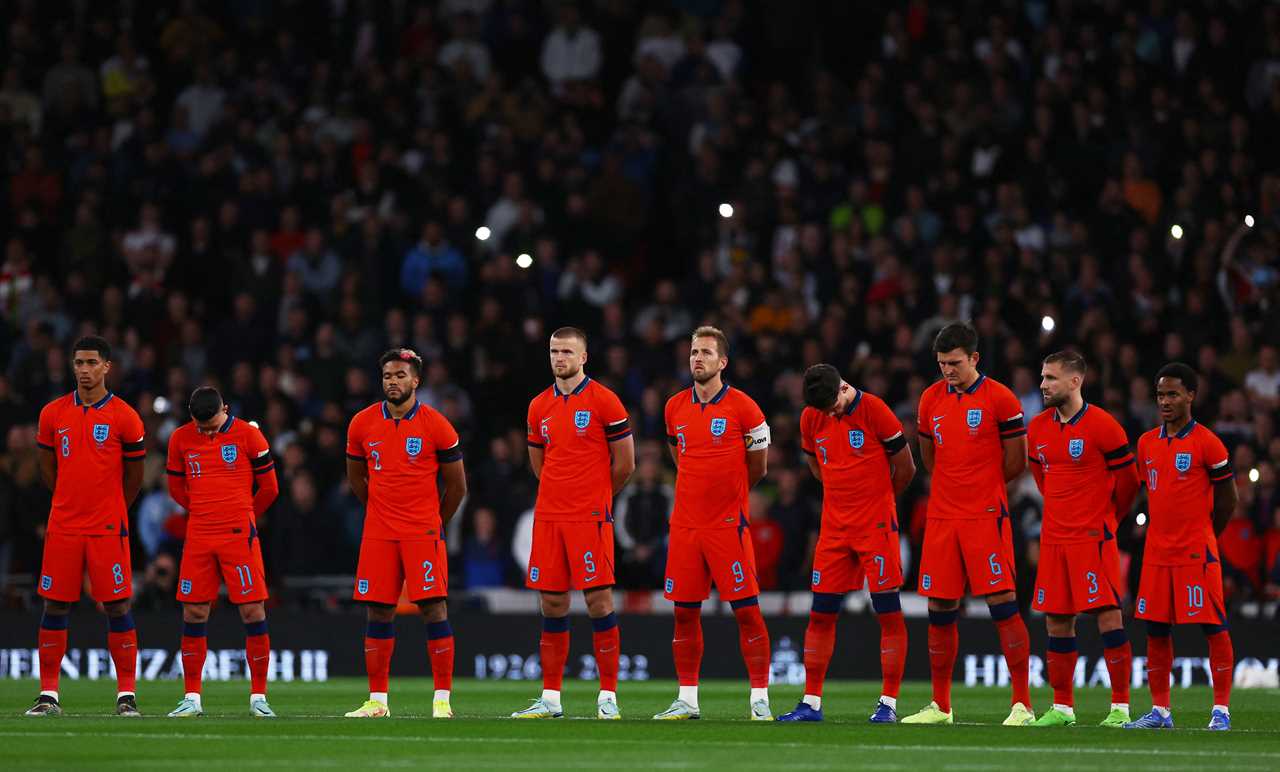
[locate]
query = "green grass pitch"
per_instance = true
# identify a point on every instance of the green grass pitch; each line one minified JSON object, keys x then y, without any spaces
{"x":310,"y":733}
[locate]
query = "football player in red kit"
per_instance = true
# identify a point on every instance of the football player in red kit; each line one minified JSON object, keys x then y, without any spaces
{"x":396,"y":450}
{"x":855,"y":446}
{"x":91,"y":453}
{"x":973,"y":441}
{"x":720,"y":442}
{"x":1081,"y":461}
{"x":581,"y":450}
{"x":220,"y":470}
{"x":1191,"y":494}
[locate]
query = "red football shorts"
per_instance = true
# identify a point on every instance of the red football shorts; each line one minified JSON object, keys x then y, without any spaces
{"x":842,"y":558}
{"x":1075,"y":578}
{"x":1190,"y":594}
{"x":698,"y":556}
{"x":67,"y":557}
{"x":237,"y":561}
{"x":570,"y":556}
{"x":974,"y":553}
{"x":420,"y":566}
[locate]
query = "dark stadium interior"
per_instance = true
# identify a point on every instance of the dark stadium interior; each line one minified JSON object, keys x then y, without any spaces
{"x":266,"y":195}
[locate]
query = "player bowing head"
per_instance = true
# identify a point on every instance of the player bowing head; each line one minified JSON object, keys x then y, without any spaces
{"x":91,"y":448}
{"x":720,"y":444}
{"x":1080,"y":459}
{"x":220,"y":470}
{"x":581,"y":451}
{"x":401,"y":374}
{"x":854,"y":446}
{"x":400,"y":450}
{"x":956,"y":347}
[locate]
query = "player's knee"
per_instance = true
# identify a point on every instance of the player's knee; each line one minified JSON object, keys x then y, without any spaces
{"x":434,"y":610}
{"x":117,"y":608}
{"x":555,"y":604}
{"x":56,"y":607}
{"x":378,"y":612}
{"x":1060,"y":625}
{"x":198,"y":612}
{"x":249,"y":612}
{"x":599,"y":602}
{"x":943,"y":604}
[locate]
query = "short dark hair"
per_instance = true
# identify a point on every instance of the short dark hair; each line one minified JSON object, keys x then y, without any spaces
{"x":1183,"y":372}
{"x":93,"y":343}
{"x":571,"y":332}
{"x":406,"y":355}
{"x":957,"y":335}
{"x":205,"y":403}
{"x":707,"y":331}
{"x":1069,"y":360}
{"x":821,"y":386}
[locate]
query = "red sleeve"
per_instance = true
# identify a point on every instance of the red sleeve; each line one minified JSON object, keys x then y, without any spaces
{"x":132,"y":440}
{"x":176,"y":471}
{"x":617,"y":425}
{"x":532,"y":427}
{"x":887,"y":427}
{"x":44,"y":429}
{"x":1142,"y":454}
{"x":1009,"y":416}
{"x":264,"y":471}
{"x":669,"y":420}
{"x":1216,"y":459}
{"x":750,"y":415}
{"x":922,"y":412}
{"x":444,"y":438}
{"x":806,"y":431}
{"x":355,"y":439}
{"x":1114,"y":444}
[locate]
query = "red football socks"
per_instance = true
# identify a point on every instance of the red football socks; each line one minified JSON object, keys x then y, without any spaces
{"x":819,"y":642}
{"x":554,"y":649}
{"x":122,"y":642}
{"x":1222,"y":663}
{"x":440,"y":652}
{"x":1016,"y":645}
{"x":893,"y":652}
{"x":753,"y":638}
{"x":686,"y":645}
{"x":605,"y":641}
{"x":944,"y":644}
{"x":379,"y":645}
{"x":195,"y":649}
{"x":1119,"y":656}
{"x":1062,"y":668}
{"x":257,"y":650}
{"x":1159,"y":663}
{"x":53,"y":647}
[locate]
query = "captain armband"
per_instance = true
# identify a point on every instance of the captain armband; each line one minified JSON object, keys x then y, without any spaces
{"x":757,"y":438}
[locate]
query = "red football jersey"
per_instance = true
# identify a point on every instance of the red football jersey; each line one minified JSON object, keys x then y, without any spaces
{"x":967,"y":428}
{"x":219,"y":471}
{"x":853,"y":451}
{"x":1080,"y":459}
{"x":712,"y":439}
{"x":90,"y":444}
{"x":1180,"y":471}
{"x":403,"y":457}
{"x":574,"y":431}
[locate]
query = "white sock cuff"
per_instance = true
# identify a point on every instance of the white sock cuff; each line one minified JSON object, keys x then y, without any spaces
{"x":551,"y":695}
{"x":379,"y":697}
{"x":607,"y":696}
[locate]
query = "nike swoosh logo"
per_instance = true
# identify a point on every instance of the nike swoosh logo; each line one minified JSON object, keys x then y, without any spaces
{"x":882,"y":581}
{"x":246,"y":591}
{"x":548,"y":418}
{"x":258,"y":659}
{"x":1039,"y":446}
{"x":366,"y":651}
{"x":887,"y":651}
{"x":1192,"y":613}
{"x":940,"y":417}
{"x":739,"y":587}
{"x":193,"y":455}
{"x":681,"y":426}
{"x":45,"y":645}
{"x":126,"y":645}
{"x":379,"y":442}
{"x":590,"y":579}
{"x":1148,"y":461}
{"x":995,"y":581}
{"x":64,"y":431}
{"x":1091,"y":600}
{"x":440,"y":651}
{"x":606,"y":651}
{"x":753,"y":640}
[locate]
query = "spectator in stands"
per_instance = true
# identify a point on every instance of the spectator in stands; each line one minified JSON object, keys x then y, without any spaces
{"x":640,"y":525}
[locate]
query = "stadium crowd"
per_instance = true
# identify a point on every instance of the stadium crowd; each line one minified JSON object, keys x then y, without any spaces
{"x":267,"y":195}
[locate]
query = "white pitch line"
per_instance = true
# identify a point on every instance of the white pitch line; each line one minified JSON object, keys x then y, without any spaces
{"x":692,"y":740}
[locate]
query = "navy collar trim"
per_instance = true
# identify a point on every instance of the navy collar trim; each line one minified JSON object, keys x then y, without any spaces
{"x":856,"y":400}
{"x":1182,"y":435}
{"x":972,"y":387}
{"x":413,"y":411}
{"x":693,"y":390}
{"x":576,"y":390}
{"x":97,"y":405}
{"x":1073,"y":420}
{"x":226,"y":426}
